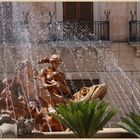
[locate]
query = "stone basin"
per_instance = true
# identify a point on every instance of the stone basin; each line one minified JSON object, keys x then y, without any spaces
{"x":105,"y":133}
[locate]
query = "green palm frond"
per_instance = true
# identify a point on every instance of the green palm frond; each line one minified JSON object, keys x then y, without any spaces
{"x":85,"y":119}
{"x":131,"y":123}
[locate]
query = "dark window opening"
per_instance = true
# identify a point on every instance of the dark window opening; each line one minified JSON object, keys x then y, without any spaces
{"x":78,"y":11}
{"x":76,"y":85}
{"x":134,"y":30}
{"x":80,"y":17}
{"x":79,"y":23}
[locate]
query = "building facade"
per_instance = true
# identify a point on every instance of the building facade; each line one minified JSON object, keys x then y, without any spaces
{"x":116,"y":23}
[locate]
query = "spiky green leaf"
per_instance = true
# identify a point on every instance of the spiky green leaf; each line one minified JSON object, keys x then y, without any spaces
{"x":84,"y":118}
{"x":131,"y":123}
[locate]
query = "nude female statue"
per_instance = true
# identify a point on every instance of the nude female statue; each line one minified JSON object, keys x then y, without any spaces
{"x":54,"y":81}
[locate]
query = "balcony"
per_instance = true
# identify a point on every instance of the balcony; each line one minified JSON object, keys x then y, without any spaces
{"x":101,"y":30}
{"x":134,"y":35}
{"x":60,"y":31}
{"x":81,"y":31}
{"x":134,"y":31}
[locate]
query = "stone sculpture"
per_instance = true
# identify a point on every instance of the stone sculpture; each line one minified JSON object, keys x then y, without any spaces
{"x":55,"y":87}
{"x":11,"y":128}
{"x":8,"y":126}
{"x":25,"y":126}
{"x":32,"y":94}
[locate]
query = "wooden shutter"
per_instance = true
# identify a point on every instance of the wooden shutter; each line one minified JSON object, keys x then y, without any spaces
{"x":69,"y":11}
{"x":85,"y":11}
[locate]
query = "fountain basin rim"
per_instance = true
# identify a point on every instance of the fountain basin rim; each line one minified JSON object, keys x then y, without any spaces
{"x":105,"y":133}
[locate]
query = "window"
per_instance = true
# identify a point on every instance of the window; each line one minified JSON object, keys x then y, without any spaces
{"x":82,"y":14}
{"x":76,"y":85}
{"x":78,"y":11}
{"x":80,"y":18}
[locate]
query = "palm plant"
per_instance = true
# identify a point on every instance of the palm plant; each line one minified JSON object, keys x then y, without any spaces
{"x":85,"y":119}
{"x":131,"y":123}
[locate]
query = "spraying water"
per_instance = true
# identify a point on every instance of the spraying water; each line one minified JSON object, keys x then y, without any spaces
{"x":85,"y":52}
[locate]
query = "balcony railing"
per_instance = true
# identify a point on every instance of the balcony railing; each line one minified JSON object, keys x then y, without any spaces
{"x":101,"y":29}
{"x":61,"y":31}
{"x":83,"y":30}
{"x":134,"y":30}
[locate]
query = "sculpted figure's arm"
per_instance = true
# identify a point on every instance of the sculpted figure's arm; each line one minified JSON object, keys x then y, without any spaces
{"x":53,"y":78}
{"x":48,"y":83}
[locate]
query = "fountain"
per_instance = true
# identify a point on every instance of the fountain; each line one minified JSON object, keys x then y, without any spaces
{"x":27,"y":105}
{"x":24,"y":93}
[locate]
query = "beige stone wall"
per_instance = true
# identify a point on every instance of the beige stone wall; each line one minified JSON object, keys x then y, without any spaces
{"x":38,"y":17}
{"x":37,"y":10}
{"x":119,"y":18}
{"x":125,"y":53}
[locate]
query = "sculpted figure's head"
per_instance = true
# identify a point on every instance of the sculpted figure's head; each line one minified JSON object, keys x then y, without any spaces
{"x":55,"y":58}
